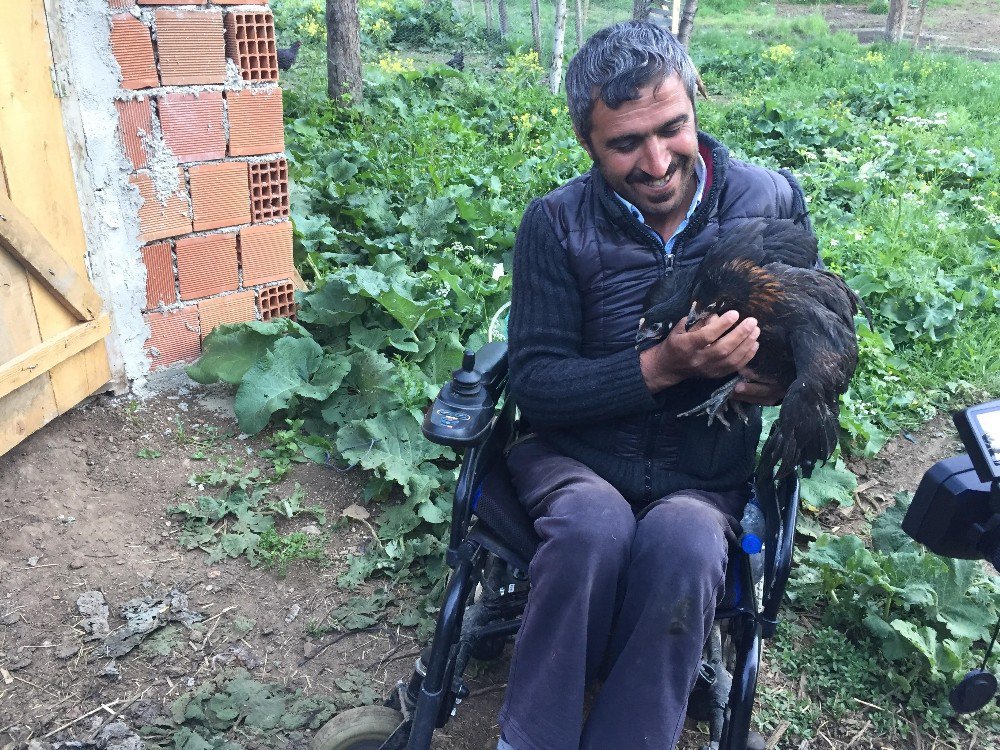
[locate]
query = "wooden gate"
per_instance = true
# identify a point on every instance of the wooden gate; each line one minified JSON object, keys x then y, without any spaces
{"x":52,"y":326}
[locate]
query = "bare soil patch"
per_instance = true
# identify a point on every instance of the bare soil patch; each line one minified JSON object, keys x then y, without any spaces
{"x":967,"y":27}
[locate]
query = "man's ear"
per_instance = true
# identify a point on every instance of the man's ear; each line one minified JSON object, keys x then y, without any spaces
{"x":585,"y":143}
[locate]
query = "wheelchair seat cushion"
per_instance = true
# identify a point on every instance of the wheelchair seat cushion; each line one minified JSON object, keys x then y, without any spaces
{"x":497,"y":506}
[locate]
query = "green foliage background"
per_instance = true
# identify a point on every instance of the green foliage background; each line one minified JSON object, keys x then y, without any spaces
{"x":405,"y":209}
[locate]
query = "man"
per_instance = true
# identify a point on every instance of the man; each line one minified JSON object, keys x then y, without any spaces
{"x":634,"y":506}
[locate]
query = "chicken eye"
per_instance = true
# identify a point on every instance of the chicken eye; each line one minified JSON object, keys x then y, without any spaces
{"x":655,"y":328}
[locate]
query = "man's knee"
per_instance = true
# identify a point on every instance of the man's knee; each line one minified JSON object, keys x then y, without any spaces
{"x":686,"y":533}
{"x":590,"y":516}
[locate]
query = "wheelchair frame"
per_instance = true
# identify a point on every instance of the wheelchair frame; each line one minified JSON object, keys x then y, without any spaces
{"x":477,"y":555}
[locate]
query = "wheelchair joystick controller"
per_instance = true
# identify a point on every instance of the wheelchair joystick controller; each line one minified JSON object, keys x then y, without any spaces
{"x":463,"y":410}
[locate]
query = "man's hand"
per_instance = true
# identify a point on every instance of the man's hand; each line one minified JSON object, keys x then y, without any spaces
{"x":711,"y":350}
{"x":756,"y":391}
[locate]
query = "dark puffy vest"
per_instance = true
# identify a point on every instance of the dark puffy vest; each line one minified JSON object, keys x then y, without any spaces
{"x":615,"y":259}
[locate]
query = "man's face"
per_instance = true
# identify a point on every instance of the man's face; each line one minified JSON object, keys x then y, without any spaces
{"x":647,"y":150}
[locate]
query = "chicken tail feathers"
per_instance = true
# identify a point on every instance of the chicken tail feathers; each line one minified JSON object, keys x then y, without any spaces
{"x":804,"y":434}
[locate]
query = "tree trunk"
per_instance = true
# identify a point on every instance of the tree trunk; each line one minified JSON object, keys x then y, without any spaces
{"x":920,"y":24}
{"x":558,"y":42}
{"x":578,"y":8}
{"x":687,"y":22}
{"x":536,"y":28}
{"x":896,"y":21}
{"x":586,"y":11}
{"x":343,"y":50}
{"x":640,"y":10}
{"x":502,"y":12}
{"x":489,"y":14}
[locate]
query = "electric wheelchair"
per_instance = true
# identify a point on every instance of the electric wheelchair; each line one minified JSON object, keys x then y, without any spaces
{"x":491,"y":544}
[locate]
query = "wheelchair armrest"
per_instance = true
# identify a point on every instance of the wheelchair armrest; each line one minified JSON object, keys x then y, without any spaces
{"x":462,"y":413}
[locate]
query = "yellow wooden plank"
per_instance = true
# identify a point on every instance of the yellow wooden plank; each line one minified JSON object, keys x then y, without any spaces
{"x":44,"y":356}
{"x":19,"y":238}
{"x":41,"y":182}
{"x":31,"y":406}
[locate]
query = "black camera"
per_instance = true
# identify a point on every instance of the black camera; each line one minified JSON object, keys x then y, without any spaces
{"x":956,"y":513}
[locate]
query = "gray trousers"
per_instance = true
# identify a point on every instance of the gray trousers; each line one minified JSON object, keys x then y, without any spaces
{"x":617,"y":595}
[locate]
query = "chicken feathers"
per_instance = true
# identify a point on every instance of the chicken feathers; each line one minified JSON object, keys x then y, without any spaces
{"x":767,"y":270}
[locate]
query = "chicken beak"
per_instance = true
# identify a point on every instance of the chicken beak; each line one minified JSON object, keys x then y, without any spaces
{"x":652,"y":331}
{"x":693,"y":316}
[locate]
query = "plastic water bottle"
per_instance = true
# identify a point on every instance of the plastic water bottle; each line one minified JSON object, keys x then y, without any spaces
{"x":752,"y":540}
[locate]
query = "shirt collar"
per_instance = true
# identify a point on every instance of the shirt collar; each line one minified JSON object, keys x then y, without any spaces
{"x":701,"y":172}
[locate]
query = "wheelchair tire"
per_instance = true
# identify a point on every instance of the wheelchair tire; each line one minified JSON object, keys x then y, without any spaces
{"x":364,"y":728}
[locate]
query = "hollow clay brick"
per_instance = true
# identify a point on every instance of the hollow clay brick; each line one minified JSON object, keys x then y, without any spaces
{"x":269,"y":190}
{"x":238,"y":2}
{"x":250,"y":42}
{"x":118,"y":4}
{"x":191,"y":47}
{"x":157,"y":219}
{"x":174,"y":336}
{"x":220,"y":195}
{"x":266,"y":253}
{"x":135,"y":122}
{"x":207,"y":265}
{"x":175,"y":2}
{"x":132,"y":47}
{"x":255,"y":125}
{"x":159,"y":275}
{"x":277,"y":301}
{"x":232,"y":308}
{"x":192,"y":125}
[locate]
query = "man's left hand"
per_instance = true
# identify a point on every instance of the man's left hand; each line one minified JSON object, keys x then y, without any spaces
{"x":757,"y":391}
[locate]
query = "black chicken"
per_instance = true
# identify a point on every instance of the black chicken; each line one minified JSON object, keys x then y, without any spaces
{"x":457,"y":61}
{"x":287,"y":55}
{"x":807,"y":338}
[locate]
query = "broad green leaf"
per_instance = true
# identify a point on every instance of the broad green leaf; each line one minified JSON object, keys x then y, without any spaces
{"x":232,"y":349}
{"x":828,"y":484}
{"x":923,"y":639}
{"x":331,"y":304}
{"x":392,"y":445}
{"x":274,"y":381}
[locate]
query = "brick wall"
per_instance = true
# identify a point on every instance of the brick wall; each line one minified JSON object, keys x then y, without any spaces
{"x":200,"y":122}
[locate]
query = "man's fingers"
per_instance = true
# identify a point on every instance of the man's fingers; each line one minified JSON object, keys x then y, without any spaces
{"x":744,"y":334}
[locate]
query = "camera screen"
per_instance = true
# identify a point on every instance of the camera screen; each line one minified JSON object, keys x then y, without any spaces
{"x":989,"y":424}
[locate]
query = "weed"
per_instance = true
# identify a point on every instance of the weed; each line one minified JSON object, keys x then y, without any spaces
{"x":148,"y":453}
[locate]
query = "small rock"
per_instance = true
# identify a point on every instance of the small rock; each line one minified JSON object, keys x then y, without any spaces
{"x":312,"y":530}
{"x":76,"y":563}
{"x":111,"y":671}
{"x":9,"y":619}
{"x":67,"y":649}
{"x":293,"y":613}
{"x":196,"y":636}
{"x":32,"y":561}
{"x":309,"y":649}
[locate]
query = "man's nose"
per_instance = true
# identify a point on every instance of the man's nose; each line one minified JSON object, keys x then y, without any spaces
{"x":656,"y":159}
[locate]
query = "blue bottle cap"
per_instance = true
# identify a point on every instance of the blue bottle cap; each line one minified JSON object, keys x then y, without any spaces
{"x":751,"y":544}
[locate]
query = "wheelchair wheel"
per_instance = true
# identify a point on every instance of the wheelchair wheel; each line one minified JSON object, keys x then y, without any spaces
{"x":364,"y":728}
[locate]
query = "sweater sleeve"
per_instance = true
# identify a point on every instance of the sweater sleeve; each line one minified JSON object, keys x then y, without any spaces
{"x":553,"y":385}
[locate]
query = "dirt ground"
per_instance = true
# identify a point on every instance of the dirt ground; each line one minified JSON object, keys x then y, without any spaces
{"x":81,"y":511}
{"x":968,"y":27}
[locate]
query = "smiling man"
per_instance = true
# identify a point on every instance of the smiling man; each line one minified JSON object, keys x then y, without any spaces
{"x":634,"y":505}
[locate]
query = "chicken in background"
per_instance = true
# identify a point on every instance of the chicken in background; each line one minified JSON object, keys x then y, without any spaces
{"x":287,"y":55}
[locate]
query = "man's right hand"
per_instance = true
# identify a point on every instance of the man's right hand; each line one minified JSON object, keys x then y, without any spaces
{"x":710,"y":350}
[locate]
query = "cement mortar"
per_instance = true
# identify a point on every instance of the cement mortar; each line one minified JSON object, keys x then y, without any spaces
{"x":109,"y":205}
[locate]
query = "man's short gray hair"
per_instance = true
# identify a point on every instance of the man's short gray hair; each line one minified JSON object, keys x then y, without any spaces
{"x":619,"y":60}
